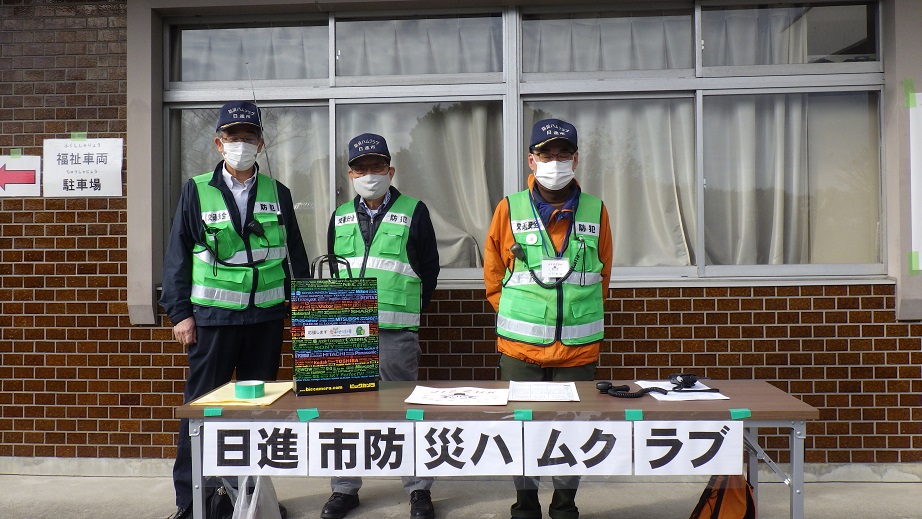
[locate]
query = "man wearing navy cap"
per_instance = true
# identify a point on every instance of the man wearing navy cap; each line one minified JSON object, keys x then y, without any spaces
{"x":389,"y":236}
{"x":547,"y":265}
{"x":225,"y":274}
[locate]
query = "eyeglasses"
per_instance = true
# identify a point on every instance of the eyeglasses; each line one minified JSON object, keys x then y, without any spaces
{"x":234,"y":138}
{"x":545,"y":156}
{"x":377,"y":168}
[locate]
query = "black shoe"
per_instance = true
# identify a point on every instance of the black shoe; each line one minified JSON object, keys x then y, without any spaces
{"x":421,"y":505}
{"x":339,"y":505}
{"x":182,"y":513}
{"x":283,"y":512}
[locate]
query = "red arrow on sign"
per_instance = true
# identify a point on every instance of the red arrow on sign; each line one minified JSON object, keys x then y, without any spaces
{"x":15,"y":176}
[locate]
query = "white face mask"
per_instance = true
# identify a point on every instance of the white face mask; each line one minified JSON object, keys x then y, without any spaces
{"x":372,"y":187}
{"x":240,"y":155}
{"x":554,"y":175}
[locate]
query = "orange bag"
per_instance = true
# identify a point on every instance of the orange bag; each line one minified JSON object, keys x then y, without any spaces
{"x":726,"y":497}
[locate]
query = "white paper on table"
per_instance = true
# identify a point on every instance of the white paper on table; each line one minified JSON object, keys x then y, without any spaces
{"x":543,"y":391}
{"x":679,"y":396}
{"x":458,"y":396}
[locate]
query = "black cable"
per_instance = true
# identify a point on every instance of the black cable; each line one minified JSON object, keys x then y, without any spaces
{"x":625,"y":392}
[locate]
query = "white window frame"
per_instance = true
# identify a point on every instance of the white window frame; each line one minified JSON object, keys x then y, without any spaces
{"x":150,"y":95}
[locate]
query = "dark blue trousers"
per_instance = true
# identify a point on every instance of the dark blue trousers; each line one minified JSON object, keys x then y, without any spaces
{"x":254,"y":351}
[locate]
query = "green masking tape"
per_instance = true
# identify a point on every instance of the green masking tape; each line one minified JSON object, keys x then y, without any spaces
{"x":913,"y":263}
{"x":250,"y":389}
{"x":78,"y":136}
{"x":211,"y":411}
{"x":909,"y":92}
{"x":16,"y":153}
{"x":522,"y":414}
{"x":633,"y":415}
{"x":739,"y":414}
{"x":306,"y":415}
{"x":414,"y":414}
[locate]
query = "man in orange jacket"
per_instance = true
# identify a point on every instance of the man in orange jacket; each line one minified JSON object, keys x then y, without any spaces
{"x":547,"y":267}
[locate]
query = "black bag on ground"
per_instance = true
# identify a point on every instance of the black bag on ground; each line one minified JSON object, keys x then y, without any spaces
{"x":726,"y":497}
{"x":218,"y":504}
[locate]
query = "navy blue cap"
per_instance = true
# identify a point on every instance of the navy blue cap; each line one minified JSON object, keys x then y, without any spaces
{"x":547,"y":130}
{"x":368,"y":144}
{"x":238,"y":112}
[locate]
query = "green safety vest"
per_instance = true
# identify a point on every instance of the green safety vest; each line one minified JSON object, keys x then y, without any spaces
{"x":399,"y":288}
{"x":255,"y":265}
{"x":573,"y":312}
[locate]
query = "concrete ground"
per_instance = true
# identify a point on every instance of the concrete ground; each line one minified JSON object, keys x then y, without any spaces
{"x":100,"y":497}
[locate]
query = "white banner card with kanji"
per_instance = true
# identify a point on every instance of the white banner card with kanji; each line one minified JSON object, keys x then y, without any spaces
{"x":361,"y":449}
{"x":254,"y":448}
{"x":469,"y":448}
{"x":577,"y":448}
{"x":688,"y":448}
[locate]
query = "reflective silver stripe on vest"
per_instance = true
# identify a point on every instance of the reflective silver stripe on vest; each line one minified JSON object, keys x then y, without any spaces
{"x":581,"y":331}
{"x":273,"y":294}
{"x":576,"y":278}
{"x":240,"y":258}
{"x":401,"y":318}
{"x":538,"y":331}
{"x":389,"y":265}
{"x":218,"y":294}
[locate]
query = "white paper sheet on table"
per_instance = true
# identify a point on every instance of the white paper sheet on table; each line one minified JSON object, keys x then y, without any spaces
{"x":543,"y":391}
{"x":458,"y":396}
{"x":680,"y":396}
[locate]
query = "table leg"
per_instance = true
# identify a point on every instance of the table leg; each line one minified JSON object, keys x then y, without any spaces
{"x":798,"y":434}
{"x":752,"y":466}
{"x":198,"y":500}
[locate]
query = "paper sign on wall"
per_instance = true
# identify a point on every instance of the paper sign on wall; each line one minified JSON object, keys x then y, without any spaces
{"x":79,"y":168}
{"x":20,"y":176}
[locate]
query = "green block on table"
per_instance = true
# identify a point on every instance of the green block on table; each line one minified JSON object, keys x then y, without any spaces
{"x":633,"y":415}
{"x":739,"y":414}
{"x":305,"y":415}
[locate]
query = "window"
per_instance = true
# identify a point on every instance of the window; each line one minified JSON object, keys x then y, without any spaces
{"x":419,"y":45}
{"x":607,"y":41}
{"x":789,"y":34}
{"x":792,"y":179}
{"x":446,"y":154}
{"x":754,"y":152}
{"x":228,"y":53}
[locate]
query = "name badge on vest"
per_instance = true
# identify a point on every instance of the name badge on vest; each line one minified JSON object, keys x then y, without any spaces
{"x":554,"y":268}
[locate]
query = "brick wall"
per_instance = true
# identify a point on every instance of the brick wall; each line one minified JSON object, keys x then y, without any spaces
{"x":77,"y":380}
{"x":838,"y":348}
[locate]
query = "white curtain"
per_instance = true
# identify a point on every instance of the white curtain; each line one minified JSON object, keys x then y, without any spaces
{"x":607,"y":44}
{"x":757,"y":192}
{"x":756,"y":172}
{"x":449,"y":155}
{"x":299,"y":52}
{"x":419,"y":46}
{"x":773,"y":36}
